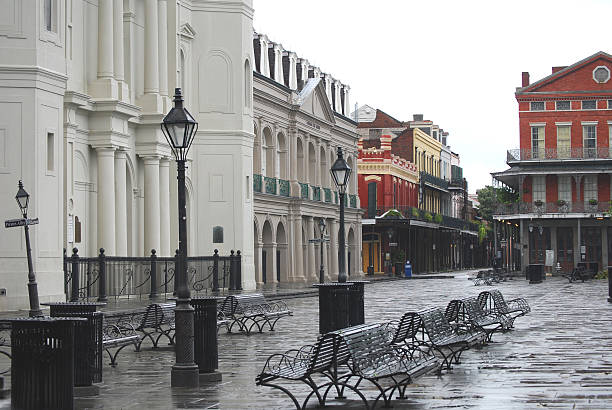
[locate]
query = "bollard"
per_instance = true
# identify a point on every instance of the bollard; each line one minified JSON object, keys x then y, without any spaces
{"x":74,"y":295}
{"x":238,"y":271}
{"x":215,"y":277}
{"x":42,"y":370}
{"x":232,"y":278}
{"x":102,"y":277}
{"x":206,"y":351}
{"x":334,"y":306}
{"x":153,"y":275}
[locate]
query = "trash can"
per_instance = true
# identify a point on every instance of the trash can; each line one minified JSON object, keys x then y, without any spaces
{"x":535,"y":273}
{"x":206,"y":350}
{"x":42,"y":370}
{"x":356,"y":302}
{"x":609,"y":284}
{"x":334,"y":301}
{"x":408,"y":269}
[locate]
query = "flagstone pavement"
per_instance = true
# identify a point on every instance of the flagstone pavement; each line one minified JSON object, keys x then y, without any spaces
{"x":558,"y":356}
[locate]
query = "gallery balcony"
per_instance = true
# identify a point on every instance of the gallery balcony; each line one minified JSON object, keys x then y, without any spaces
{"x":554,"y":209}
{"x":281,"y":187}
{"x":433,"y":181}
{"x":558,"y":154}
{"x":433,"y":219}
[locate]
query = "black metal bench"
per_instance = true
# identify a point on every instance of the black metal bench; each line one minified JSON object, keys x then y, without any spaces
{"x":252,"y":310}
{"x":374,"y":358}
{"x":157,"y":321}
{"x":431,"y":329}
{"x":118,"y":332}
{"x":580,"y":274}
{"x":5,"y":347}
{"x":493,"y":301}
{"x":468,"y":312}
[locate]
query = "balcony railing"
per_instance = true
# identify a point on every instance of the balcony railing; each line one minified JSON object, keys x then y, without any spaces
{"x":316,"y":193}
{"x":558,"y":154}
{"x":328,"y":194}
{"x":353,"y":201}
{"x":434,"y":180}
{"x":283,"y":187}
{"x":304,"y":190}
{"x":421,"y":215}
{"x":557,"y":207}
{"x":270,"y":185}
{"x":257,"y":182}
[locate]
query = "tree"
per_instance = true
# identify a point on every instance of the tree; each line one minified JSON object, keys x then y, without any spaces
{"x":487,"y":197}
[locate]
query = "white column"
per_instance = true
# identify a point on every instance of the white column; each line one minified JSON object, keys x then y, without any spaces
{"x":151,"y":74}
{"x":162,"y":40}
{"x":279,"y":76}
{"x":151,"y":205}
{"x":121,"y":228}
{"x":105,"y":40}
{"x":164,"y":207}
{"x":118,"y":64}
{"x":292,"y":70}
{"x":312,"y":271}
{"x":106,"y":200}
{"x":273,"y":267}
{"x":298,"y":259}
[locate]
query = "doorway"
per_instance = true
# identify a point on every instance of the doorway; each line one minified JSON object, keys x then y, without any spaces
{"x":371,"y":249}
{"x":565,"y":248}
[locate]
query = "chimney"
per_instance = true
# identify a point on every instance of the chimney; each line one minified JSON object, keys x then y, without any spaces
{"x":558,"y":68}
{"x":525,"y":78}
{"x":417,"y":117}
{"x":385,"y":142}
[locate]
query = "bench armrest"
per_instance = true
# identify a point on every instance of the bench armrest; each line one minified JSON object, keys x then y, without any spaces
{"x":519,"y":303}
{"x":291,"y":359}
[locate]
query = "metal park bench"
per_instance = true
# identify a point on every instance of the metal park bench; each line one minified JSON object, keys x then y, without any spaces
{"x":118,"y":332}
{"x":252,"y":310}
{"x":5,"y":347}
{"x":468,"y":312}
{"x":580,"y":274}
{"x":368,"y":355}
{"x":157,"y":320}
{"x":493,"y":301}
{"x":431,"y":329}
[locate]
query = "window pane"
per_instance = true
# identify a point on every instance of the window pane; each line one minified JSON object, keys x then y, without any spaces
{"x":537,"y":142}
{"x":536,"y":106}
{"x":589,"y":105}
{"x":565,"y":188}
{"x":539,"y":188}
{"x":563,"y":141}
{"x":590,"y":187}
{"x":563,"y":105}
{"x":589,"y":135}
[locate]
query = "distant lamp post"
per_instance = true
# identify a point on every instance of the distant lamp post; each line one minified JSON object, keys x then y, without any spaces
{"x":179,"y":128}
{"x":322,"y":233}
{"x":341,"y":173}
{"x":23,"y":200}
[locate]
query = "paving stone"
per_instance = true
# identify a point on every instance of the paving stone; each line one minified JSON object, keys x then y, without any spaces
{"x":559,"y":356}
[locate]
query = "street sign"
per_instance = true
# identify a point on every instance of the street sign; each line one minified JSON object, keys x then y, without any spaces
{"x":11,"y":223}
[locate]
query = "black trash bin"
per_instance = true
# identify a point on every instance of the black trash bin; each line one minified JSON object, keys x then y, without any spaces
{"x":356,"y":302}
{"x":535,"y":273}
{"x":87,"y":339}
{"x":610,"y":284}
{"x":42,"y":370}
{"x":206,"y":351}
{"x":334,"y":306}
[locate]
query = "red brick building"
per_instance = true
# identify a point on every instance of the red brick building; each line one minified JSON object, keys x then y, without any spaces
{"x":562,"y":170}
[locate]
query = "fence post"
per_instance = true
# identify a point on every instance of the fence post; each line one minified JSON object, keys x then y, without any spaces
{"x":232,"y":273}
{"x":74,"y":295}
{"x":65,"y":274}
{"x":153,"y":275}
{"x":102,"y":277}
{"x":238,"y":271}
{"x":215,"y":283}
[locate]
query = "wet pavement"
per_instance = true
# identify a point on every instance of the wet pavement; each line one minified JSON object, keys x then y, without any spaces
{"x":558,"y":356}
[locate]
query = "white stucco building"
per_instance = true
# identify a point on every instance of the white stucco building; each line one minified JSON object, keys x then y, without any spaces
{"x":83,"y":88}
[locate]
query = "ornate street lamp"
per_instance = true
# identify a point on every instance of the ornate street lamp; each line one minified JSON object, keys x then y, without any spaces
{"x":322,"y":232}
{"x":341,"y":173}
{"x":179,"y":128}
{"x":23,"y":200}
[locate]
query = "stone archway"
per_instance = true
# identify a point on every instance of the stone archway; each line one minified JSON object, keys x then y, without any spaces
{"x":268,"y":254}
{"x":281,"y":254}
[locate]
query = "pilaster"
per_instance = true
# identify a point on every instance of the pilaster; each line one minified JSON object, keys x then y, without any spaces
{"x":311,"y":274}
{"x":106,"y":200}
{"x":121,"y":228}
{"x":152,"y":206}
{"x":164,"y":207}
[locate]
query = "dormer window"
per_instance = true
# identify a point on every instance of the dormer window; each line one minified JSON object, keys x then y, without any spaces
{"x":536,"y":106}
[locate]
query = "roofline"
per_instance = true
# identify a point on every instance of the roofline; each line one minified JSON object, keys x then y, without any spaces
{"x":564,"y":71}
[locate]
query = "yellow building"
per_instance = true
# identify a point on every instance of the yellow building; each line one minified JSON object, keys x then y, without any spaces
{"x":426,"y":157}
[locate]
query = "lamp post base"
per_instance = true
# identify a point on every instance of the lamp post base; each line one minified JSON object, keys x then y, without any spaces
{"x":184,"y":376}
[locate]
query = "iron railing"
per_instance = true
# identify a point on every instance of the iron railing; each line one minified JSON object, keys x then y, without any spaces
{"x":558,"y":154}
{"x":558,"y":207}
{"x":353,"y":201}
{"x":103,"y":277}
{"x":270,"y":183}
{"x":433,"y":180}
{"x":316,"y":193}
{"x":283,"y":186}
{"x":257,"y":182}
{"x":443,"y":221}
{"x":328,"y":194}
{"x":304,"y":190}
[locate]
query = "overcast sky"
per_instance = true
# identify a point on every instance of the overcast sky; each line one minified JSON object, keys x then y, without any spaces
{"x":456,"y":62}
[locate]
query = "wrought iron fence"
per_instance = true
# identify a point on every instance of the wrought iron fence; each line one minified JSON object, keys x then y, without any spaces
{"x":283,"y":186}
{"x":270,"y":183}
{"x":560,"y":207}
{"x":353,"y":201}
{"x":547,"y":154}
{"x":304,"y":190}
{"x":433,"y":180}
{"x":257,"y":182}
{"x":328,"y":194}
{"x":103,"y":277}
{"x":316,"y":193}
